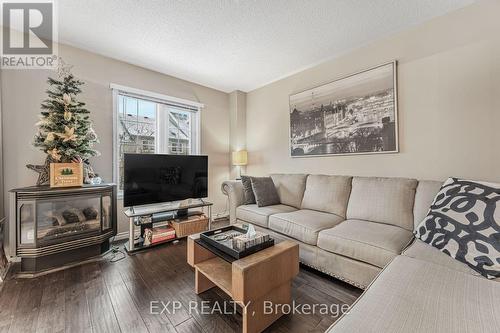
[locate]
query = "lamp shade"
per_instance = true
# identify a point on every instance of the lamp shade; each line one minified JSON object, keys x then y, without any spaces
{"x":240,"y":157}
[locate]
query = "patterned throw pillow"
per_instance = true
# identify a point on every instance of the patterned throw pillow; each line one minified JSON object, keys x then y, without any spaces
{"x":464,"y":223}
{"x":249,"y":197}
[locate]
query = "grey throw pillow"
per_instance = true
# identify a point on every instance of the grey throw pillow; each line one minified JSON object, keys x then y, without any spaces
{"x":464,"y":223}
{"x":264,"y":191}
{"x":248,"y":196}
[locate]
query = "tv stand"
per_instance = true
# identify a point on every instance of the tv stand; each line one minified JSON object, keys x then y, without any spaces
{"x":182,"y":213}
{"x":161,"y":213}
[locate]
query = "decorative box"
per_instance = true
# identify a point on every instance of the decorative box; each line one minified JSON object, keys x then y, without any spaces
{"x":66,"y":174}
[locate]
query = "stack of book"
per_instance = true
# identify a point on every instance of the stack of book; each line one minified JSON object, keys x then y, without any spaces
{"x":158,"y":234}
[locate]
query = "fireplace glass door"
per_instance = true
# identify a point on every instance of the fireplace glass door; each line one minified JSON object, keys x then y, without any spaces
{"x":67,"y":218}
{"x":27,"y":222}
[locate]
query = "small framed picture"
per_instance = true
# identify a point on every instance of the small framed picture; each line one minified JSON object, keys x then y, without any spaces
{"x":66,"y":174}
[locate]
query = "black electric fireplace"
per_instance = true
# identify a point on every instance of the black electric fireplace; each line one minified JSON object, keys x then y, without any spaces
{"x":58,"y":226}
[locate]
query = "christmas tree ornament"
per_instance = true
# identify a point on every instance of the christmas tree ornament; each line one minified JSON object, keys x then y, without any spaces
{"x":66,"y":99}
{"x":65,"y":130}
{"x":67,"y":115}
{"x":63,"y":69}
{"x":77,"y":159}
{"x":68,"y":135}
{"x":50,"y":137}
{"x":91,"y":135}
{"x":54,"y":153}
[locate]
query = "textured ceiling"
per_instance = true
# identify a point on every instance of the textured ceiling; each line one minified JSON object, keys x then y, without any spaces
{"x":236,"y":44}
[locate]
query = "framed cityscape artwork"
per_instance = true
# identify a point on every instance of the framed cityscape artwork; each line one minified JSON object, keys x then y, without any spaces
{"x":353,"y":115}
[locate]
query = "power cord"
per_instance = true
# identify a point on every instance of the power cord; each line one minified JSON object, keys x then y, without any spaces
{"x":115,"y":252}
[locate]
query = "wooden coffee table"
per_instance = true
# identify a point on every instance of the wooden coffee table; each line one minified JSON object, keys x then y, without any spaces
{"x":263,"y":276}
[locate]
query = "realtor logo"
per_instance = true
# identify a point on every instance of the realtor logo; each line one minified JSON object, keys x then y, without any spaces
{"x":29,"y":34}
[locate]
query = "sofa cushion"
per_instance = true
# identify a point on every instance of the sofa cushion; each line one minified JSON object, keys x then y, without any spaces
{"x":424,"y":196}
{"x":290,"y":188}
{"x":328,"y":194}
{"x":464,"y":223}
{"x":371,"y":242}
{"x":264,"y":191}
{"x":411,"y":295}
{"x":303,"y":225}
{"x":423,"y":251}
{"x":384,"y":200}
{"x":260,"y":215}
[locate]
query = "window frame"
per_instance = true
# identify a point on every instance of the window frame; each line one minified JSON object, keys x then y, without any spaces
{"x":194,"y":107}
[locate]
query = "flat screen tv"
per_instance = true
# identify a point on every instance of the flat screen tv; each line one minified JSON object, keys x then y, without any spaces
{"x":150,"y":179}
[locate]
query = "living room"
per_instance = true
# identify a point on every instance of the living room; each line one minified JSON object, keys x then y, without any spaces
{"x":284,"y":166}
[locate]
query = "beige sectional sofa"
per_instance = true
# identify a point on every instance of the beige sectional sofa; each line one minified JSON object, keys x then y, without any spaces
{"x":416,"y":295}
{"x":359,"y":229}
{"x":347,"y":227}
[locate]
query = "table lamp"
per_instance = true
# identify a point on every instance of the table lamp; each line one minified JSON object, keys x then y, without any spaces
{"x":240,"y":158}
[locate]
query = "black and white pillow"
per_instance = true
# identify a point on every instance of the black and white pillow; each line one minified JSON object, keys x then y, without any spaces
{"x":464,"y":222}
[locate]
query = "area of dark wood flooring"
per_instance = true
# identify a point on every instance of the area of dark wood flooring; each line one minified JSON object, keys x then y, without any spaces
{"x":110,"y":296}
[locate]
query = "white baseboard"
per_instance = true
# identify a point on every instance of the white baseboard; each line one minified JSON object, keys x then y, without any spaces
{"x":218,"y":216}
{"x":124,"y":235}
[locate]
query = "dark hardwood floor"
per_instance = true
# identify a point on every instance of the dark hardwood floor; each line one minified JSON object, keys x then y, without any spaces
{"x":110,"y":296}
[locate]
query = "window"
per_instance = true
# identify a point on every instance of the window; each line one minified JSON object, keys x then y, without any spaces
{"x":149,"y":123}
{"x":179,"y":132}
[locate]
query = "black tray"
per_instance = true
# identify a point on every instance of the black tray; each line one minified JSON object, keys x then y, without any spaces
{"x":229,"y":251}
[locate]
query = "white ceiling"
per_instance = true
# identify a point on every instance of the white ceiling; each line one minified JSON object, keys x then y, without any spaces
{"x":236,"y":44}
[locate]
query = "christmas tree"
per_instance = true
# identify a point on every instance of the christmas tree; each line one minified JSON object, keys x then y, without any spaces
{"x":65,"y":130}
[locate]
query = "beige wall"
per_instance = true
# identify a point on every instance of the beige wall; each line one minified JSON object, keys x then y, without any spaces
{"x":449,"y":103}
{"x":23,"y":91}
